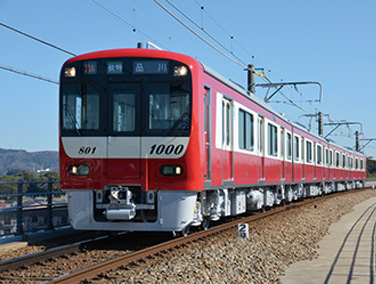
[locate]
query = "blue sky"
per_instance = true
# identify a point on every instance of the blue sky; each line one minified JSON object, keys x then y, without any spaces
{"x":332,"y":42}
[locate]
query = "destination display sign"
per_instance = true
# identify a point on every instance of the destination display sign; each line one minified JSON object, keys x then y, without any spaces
{"x":150,"y":67}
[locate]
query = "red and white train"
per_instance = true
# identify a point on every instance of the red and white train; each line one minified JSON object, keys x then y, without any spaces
{"x":156,"y":141}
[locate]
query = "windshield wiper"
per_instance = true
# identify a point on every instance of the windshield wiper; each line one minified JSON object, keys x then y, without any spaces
{"x":176,"y":123}
{"x":72,"y":118}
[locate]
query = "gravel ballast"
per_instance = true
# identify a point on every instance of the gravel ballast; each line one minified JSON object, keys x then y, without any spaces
{"x":273,"y":244}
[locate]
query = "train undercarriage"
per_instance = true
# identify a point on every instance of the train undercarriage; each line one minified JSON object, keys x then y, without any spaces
{"x":128,"y":208}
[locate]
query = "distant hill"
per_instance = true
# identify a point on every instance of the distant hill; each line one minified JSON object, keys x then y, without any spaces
{"x":27,"y":161}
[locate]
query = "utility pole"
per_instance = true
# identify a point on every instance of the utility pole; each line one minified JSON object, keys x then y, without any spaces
{"x":357,"y":141}
{"x":320,"y":116}
{"x":251,"y":78}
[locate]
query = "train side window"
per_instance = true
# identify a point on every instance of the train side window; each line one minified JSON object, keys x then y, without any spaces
{"x":241,"y":130}
{"x":289,"y":146}
{"x":246,"y":137}
{"x":282,"y":143}
{"x":356,"y":164}
{"x":361,"y":164}
{"x":308,"y":152}
{"x":296,"y":148}
{"x":272,"y":140}
{"x":319,"y":154}
{"x":348,"y":161}
{"x":343,"y":161}
{"x":223,"y":122}
{"x":228,"y":124}
{"x":331,"y":158}
{"x":261,"y":135}
{"x":326,"y":157}
{"x":338,"y":162}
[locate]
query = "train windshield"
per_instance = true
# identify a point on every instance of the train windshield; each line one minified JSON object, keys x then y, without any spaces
{"x":143,"y":98}
{"x":80,"y":107}
{"x":169,"y":107}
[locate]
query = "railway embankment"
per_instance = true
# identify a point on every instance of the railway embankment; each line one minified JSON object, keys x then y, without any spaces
{"x":273,"y":244}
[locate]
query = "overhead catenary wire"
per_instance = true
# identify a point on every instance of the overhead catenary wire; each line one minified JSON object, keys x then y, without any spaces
{"x":124,"y":22}
{"x":37,"y":39}
{"x":197,"y":35}
{"x":147,"y":19}
{"x":240,"y":63}
{"x":228,"y":33}
{"x":204,"y":31}
{"x":28,"y":74}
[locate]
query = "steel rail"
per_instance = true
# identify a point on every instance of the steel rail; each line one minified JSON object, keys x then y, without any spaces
{"x":94,"y":270}
{"x":29,"y":259}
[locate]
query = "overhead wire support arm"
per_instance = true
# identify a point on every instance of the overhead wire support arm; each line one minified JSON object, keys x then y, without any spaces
{"x":280,"y":85}
{"x":338,"y":124}
{"x":369,"y":140}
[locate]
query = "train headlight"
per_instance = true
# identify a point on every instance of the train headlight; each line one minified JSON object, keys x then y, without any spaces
{"x":171,"y":170}
{"x":79,"y":170}
{"x":70,"y":72}
{"x":180,"y":71}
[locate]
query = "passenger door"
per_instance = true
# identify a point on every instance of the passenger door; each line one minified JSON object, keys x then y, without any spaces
{"x":261,"y":147}
{"x":123,"y":128}
{"x":207,"y":157}
{"x":227,"y":139}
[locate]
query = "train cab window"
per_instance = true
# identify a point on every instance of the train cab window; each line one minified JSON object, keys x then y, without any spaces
{"x":362,"y":165}
{"x":272,"y":140}
{"x":246,"y":137}
{"x":308,"y":152}
{"x":80,"y":107}
{"x":289,"y":146}
{"x":319,"y":155}
{"x":296,"y":148}
{"x":169,"y":106}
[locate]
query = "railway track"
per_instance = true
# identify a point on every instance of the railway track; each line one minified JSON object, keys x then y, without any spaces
{"x":124,"y":258}
{"x":25,"y":260}
{"x":91,"y":272}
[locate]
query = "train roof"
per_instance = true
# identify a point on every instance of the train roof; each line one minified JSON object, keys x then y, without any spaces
{"x":266,"y":106}
{"x":177,"y":56}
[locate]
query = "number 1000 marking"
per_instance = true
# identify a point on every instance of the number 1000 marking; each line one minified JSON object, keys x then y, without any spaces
{"x":167,"y":150}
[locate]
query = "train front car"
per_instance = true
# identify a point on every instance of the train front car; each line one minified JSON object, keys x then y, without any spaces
{"x":130,"y":153}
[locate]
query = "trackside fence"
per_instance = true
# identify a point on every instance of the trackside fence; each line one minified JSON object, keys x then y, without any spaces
{"x":31,"y":206}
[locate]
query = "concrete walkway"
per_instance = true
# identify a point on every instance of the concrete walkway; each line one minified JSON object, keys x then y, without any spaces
{"x":346,"y":254}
